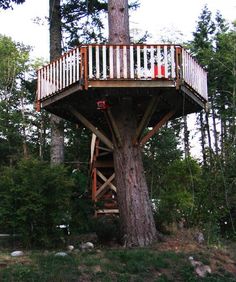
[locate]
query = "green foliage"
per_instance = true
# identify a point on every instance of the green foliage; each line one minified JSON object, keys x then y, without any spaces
{"x":7,"y":4}
{"x":176,"y":200}
{"x":82,"y":207}
{"x":160,"y":151}
{"x":34,"y":200}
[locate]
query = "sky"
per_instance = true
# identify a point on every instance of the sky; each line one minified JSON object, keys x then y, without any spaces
{"x":152,"y":16}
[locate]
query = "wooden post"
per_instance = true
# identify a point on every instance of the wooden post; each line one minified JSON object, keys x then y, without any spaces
{"x":146,"y":118}
{"x":164,"y":119}
{"x":90,"y":126}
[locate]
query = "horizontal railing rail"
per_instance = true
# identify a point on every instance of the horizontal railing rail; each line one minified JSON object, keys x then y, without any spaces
{"x":121,"y":62}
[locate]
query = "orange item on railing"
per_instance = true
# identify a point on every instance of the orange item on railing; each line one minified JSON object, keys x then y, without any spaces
{"x":156,"y":74}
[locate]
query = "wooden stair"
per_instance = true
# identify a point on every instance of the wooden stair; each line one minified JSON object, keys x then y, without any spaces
{"x":103,"y":178}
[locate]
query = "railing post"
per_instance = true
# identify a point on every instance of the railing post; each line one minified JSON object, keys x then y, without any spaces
{"x":84,"y":66}
{"x":38,"y":103}
{"x":179,"y":66}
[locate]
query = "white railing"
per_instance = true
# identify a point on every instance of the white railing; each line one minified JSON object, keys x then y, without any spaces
{"x":131,"y":61}
{"x":121,"y":62}
{"x":194,"y":75}
{"x":59,"y":74}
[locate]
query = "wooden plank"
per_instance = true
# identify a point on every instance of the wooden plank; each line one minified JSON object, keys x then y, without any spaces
{"x":104,"y":149}
{"x":90,"y":61}
{"x":102,"y":189}
{"x":131,"y":83}
{"x":70,"y":68}
{"x":131,"y":61}
{"x":145,"y":59}
{"x":92,"y":147}
{"x":138,"y":62}
{"x":164,"y":119}
{"x":111,"y":63}
{"x":166,"y":61}
{"x":112,"y":186}
{"x":114,"y":127}
{"x":106,"y":211}
{"x":104,"y":62}
{"x":159,"y":61}
{"x":152,"y":61}
{"x":117,"y":62}
{"x":91,"y":127}
{"x":125,"y":67}
{"x":172,"y":51}
{"x":97,"y":63}
{"x":78,"y":64}
{"x":146,"y":118}
{"x":94,"y":184}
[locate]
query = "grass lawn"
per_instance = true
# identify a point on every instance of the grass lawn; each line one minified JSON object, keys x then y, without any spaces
{"x":165,"y":261}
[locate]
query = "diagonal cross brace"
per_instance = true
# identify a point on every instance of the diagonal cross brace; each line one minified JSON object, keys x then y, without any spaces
{"x":90,"y":126}
{"x":146,"y":118}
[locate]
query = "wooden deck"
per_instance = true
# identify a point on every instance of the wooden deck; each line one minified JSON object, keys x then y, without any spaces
{"x":90,"y":73}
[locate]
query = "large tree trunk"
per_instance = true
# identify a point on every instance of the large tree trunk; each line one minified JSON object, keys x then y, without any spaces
{"x":134,"y":205}
{"x":57,"y":124}
{"x":135,"y":208}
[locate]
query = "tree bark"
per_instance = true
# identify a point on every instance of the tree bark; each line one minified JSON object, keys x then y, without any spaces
{"x":203,"y":135}
{"x":57,"y":124}
{"x":186,"y":138}
{"x":135,"y":207}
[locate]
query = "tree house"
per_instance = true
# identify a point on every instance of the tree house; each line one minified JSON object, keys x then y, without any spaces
{"x":84,"y":83}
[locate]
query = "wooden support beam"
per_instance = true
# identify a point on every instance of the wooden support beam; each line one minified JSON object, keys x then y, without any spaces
{"x":146,"y":118}
{"x":104,"y":149}
{"x":113,"y":187}
{"x":90,"y":126}
{"x":94,"y":184}
{"x":102,"y":190}
{"x":164,"y":119}
{"x":113,"y":127}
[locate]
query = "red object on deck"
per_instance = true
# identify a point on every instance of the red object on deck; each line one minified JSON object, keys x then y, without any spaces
{"x":156,"y":74}
{"x":102,"y":105}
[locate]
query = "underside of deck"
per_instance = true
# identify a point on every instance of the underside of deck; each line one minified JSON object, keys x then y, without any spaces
{"x":182,"y":101}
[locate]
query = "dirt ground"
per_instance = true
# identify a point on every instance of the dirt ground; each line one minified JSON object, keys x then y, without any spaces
{"x":221,"y":256}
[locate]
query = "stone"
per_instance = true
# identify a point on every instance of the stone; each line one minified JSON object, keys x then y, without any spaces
{"x":17,"y":254}
{"x":87,"y":246}
{"x":70,"y":248}
{"x":61,"y":254}
{"x":200,"y":238}
{"x":200,"y":269}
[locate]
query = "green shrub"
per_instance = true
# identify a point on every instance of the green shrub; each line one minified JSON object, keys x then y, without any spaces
{"x":34,"y":200}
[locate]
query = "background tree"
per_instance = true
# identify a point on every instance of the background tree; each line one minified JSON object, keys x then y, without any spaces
{"x":57,"y":124}
{"x":6,"y":4}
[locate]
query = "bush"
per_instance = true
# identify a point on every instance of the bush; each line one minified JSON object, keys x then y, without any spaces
{"x":34,"y":200}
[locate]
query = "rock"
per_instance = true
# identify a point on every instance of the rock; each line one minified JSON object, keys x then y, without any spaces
{"x":61,"y":254}
{"x":96,"y":269}
{"x":193,"y":262}
{"x":203,"y":270}
{"x":17,"y":254}
{"x":87,"y":246}
{"x":70,"y":248}
{"x":200,"y":269}
{"x":200,"y":238}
